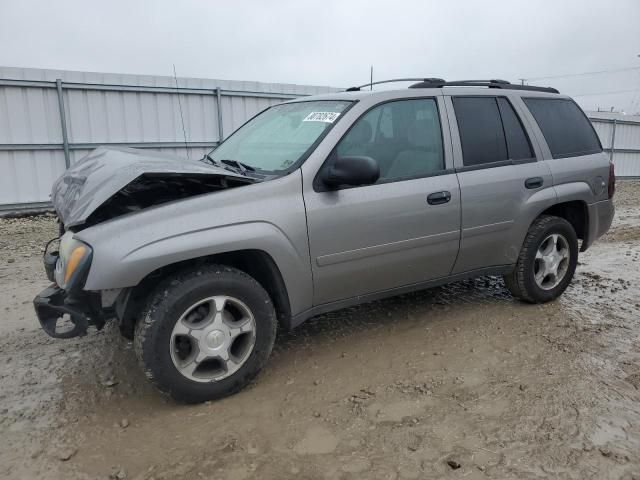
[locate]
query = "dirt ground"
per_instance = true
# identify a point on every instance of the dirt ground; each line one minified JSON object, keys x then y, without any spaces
{"x":455,"y":382}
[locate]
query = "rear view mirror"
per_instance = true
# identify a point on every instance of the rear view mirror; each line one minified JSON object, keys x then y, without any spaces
{"x":352,"y":171}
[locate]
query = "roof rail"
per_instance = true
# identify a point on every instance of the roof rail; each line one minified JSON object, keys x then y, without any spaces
{"x":494,"y":83}
{"x":439,"y":83}
{"x":357,"y":89}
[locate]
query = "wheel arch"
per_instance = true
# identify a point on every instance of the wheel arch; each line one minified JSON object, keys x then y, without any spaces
{"x":256,"y":263}
{"x":576,"y":213}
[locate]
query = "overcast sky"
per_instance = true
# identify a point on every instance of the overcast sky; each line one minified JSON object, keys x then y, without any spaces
{"x":333,"y":42}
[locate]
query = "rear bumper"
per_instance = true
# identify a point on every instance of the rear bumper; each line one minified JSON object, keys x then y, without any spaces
{"x":66,"y":316}
{"x":600,"y":217}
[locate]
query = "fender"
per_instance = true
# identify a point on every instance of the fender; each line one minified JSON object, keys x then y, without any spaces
{"x":544,"y":199}
{"x":571,"y":191}
{"x":128,"y":248}
{"x":599,"y":211}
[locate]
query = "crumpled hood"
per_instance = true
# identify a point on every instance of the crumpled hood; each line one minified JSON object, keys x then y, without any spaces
{"x":106,"y":171}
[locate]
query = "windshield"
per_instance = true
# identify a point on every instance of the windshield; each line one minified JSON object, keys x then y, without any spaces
{"x":280,"y":136}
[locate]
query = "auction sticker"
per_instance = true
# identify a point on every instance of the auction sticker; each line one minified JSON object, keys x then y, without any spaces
{"x":327,"y":117}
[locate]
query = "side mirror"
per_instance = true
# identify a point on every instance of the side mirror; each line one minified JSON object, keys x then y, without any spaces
{"x":351,"y":171}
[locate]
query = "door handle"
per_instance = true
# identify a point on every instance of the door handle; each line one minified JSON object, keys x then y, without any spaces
{"x":438,"y":198}
{"x":533,"y":182}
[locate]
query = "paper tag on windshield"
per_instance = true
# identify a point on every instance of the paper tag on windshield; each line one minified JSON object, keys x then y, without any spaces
{"x":328,"y":117}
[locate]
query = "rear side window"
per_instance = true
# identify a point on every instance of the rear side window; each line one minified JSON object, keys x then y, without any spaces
{"x":490,"y":131}
{"x":565,"y":127}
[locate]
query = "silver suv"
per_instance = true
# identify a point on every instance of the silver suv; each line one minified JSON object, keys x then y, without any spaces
{"x":317,"y":204}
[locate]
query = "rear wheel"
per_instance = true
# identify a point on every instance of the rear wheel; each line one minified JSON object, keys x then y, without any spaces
{"x":547,"y":261}
{"x":205,"y":333}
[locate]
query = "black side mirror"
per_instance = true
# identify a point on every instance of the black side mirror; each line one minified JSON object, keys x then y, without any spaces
{"x":352,"y":171}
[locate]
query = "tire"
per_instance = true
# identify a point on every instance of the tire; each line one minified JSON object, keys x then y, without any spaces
{"x":524,"y":281}
{"x":197,"y":312}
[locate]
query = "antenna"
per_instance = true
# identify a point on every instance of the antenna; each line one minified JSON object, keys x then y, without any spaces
{"x":184,"y":132}
{"x":371,"y":84}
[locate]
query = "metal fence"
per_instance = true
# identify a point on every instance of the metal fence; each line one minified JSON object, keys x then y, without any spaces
{"x":49,"y":119}
{"x":620,"y":137}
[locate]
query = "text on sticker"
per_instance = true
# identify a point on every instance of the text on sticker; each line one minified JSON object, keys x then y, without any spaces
{"x":328,"y":117}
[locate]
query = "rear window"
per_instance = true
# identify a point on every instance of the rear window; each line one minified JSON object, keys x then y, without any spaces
{"x":565,"y":127}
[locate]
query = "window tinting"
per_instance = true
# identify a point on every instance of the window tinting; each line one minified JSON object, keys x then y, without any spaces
{"x":480,"y":128}
{"x":565,"y":127}
{"x":518,"y":144}
{"x":403,"y":136}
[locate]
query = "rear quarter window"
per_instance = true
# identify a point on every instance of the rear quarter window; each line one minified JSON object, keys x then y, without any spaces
{"x":565,"y":127}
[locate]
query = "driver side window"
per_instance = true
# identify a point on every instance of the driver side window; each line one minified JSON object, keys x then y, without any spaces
{"x":403,"y":137}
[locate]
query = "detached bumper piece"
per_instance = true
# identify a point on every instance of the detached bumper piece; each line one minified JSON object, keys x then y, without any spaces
{"x":66,"y":316}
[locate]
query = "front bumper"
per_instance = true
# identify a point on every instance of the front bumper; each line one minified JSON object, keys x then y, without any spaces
{"x":62,"y":315}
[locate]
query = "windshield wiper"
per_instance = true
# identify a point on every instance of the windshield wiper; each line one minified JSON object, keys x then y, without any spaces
{"x":242,"y":166}
{"x":225,"y":165}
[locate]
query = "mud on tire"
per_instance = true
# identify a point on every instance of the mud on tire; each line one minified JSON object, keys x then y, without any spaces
{"x":522,"y":281}
{"x":156,"y":344}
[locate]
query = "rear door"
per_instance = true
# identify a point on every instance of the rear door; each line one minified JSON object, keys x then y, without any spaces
{"x":579,"y":166}
{"x":402,"y":230}
{"x":503,"y":182}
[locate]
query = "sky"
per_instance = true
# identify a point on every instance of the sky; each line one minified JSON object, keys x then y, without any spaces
{"x":334,"y":42}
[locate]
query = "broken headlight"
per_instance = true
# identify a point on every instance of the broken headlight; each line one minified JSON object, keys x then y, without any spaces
{"x":73,"y":263}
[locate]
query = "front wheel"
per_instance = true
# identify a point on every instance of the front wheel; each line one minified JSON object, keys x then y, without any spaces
{"x":206,"y":333}
{"x":547,"y":261}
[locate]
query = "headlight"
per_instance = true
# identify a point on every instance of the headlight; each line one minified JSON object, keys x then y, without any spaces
{"x":74,"y":261}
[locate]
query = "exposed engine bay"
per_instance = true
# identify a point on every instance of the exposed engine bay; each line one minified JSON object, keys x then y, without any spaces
{"x":151,"y":189}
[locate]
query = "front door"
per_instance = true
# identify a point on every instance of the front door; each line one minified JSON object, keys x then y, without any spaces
{"x":402,"y":230}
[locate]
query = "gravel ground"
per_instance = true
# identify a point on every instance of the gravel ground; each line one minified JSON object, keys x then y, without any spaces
{"x":455,"y":382}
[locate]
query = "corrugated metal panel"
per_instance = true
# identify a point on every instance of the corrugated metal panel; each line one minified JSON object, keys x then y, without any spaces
{"x":604,"y":132}
{"x":624,"y":130}
{"x":26,"y":176}
{"x":31,"y":155}
{"x":627,"y":164}
{"x":29,"y":115}
{"x":627,"y":136}
{"x":236,"y":111}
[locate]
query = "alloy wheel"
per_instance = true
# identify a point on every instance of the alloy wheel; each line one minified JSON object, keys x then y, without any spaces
{"x":213,"y":338}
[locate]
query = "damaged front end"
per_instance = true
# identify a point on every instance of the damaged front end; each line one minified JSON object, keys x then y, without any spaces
{"x":152,"y":189}
{"x":106,"y":184}
{"x":66,"y":315}
{"x":110,"y":182}
{"x":64,"y":309}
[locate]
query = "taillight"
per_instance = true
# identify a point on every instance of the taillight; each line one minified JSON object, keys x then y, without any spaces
{"x":612,"y":180}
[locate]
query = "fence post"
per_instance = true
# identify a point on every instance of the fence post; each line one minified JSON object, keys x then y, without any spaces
{"x":63,"y":124}
{"x":613,"y":139}
{"x":219,"y":105}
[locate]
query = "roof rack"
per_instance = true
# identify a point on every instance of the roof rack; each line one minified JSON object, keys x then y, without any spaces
{"x":439,"y":83}
{"x":357,"y":89}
